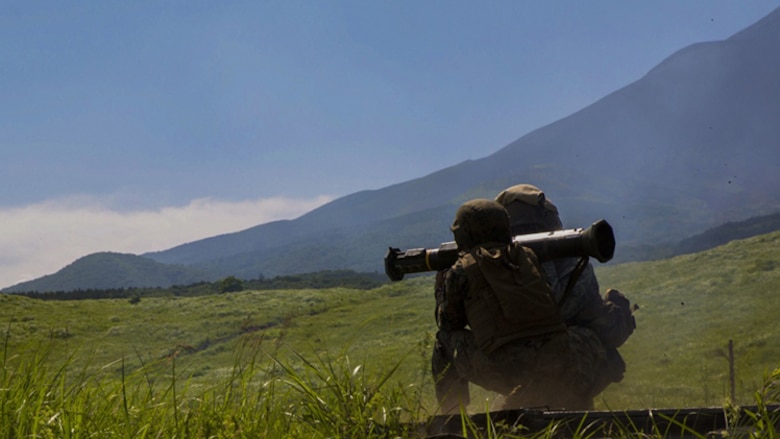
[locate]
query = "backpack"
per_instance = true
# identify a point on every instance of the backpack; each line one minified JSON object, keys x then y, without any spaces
{"x":508,"y":298}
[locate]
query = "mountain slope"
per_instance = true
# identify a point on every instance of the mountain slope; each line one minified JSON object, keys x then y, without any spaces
{"x":691,"y":145}
{"x":108,"y":270}
{"x":728,"y":232}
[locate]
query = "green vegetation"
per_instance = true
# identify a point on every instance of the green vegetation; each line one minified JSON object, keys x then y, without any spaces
{"x":231,"y":284}
{"x":690,"y":307}
{"x":345,"y":362}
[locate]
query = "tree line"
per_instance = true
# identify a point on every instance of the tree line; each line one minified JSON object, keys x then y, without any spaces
{"x":318,"y":280}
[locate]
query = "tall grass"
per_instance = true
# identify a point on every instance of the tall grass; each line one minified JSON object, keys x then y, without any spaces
{"x":262,"y":396}
{"x":764,"y":420}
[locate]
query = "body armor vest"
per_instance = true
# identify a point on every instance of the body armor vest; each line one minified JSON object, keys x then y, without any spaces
{"x":508,"y":298}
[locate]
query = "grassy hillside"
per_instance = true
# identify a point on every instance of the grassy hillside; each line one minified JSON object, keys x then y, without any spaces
{"x":690,"y":307}
{"x":109,"y":270}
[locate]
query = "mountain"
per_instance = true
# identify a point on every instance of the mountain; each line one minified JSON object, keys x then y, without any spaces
{"x":109,"y":270}
{"x":690,"y":146}
{"x":710,"y":238}
{"x":727,"y":232}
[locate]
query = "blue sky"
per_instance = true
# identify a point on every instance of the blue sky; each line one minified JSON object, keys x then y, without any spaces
{"x":137,"y":126}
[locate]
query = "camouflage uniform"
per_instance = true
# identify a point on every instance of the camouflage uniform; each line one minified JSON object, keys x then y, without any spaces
{"x":551,"y":367}
{"x":610,"y":318}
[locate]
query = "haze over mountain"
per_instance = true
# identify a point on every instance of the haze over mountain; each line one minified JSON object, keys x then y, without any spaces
{"x":690,"y":146}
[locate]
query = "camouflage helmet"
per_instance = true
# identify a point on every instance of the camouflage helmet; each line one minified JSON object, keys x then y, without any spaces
{"x":480,"y":221}
{"x":530,"y":211}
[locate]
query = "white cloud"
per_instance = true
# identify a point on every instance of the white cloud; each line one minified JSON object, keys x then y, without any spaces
{"x":40,"y":239}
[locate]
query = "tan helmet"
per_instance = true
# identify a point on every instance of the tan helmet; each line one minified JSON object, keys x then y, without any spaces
{"x":530,"y":211}
{"x":480,"y":221}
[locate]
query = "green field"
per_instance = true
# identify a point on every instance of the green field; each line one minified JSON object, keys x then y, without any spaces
{"x":353,"y":362}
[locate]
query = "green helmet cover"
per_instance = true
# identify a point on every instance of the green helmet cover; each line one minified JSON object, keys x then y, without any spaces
{"x":481,"y":221}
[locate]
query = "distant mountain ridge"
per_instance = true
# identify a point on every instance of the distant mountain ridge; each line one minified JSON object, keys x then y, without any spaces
{"x":692,"y":145}
{"x":117,"y":271}
{"x":728,"y":232}
{"x":109,"y":270}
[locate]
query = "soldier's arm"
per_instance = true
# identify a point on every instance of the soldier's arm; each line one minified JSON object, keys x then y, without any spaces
{"x":450,"y":308}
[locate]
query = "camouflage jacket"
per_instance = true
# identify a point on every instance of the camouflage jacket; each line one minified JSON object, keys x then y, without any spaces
{"x":610,"y":318}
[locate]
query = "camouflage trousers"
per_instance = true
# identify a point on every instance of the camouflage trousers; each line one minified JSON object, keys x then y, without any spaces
{"x":556,"y":371}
